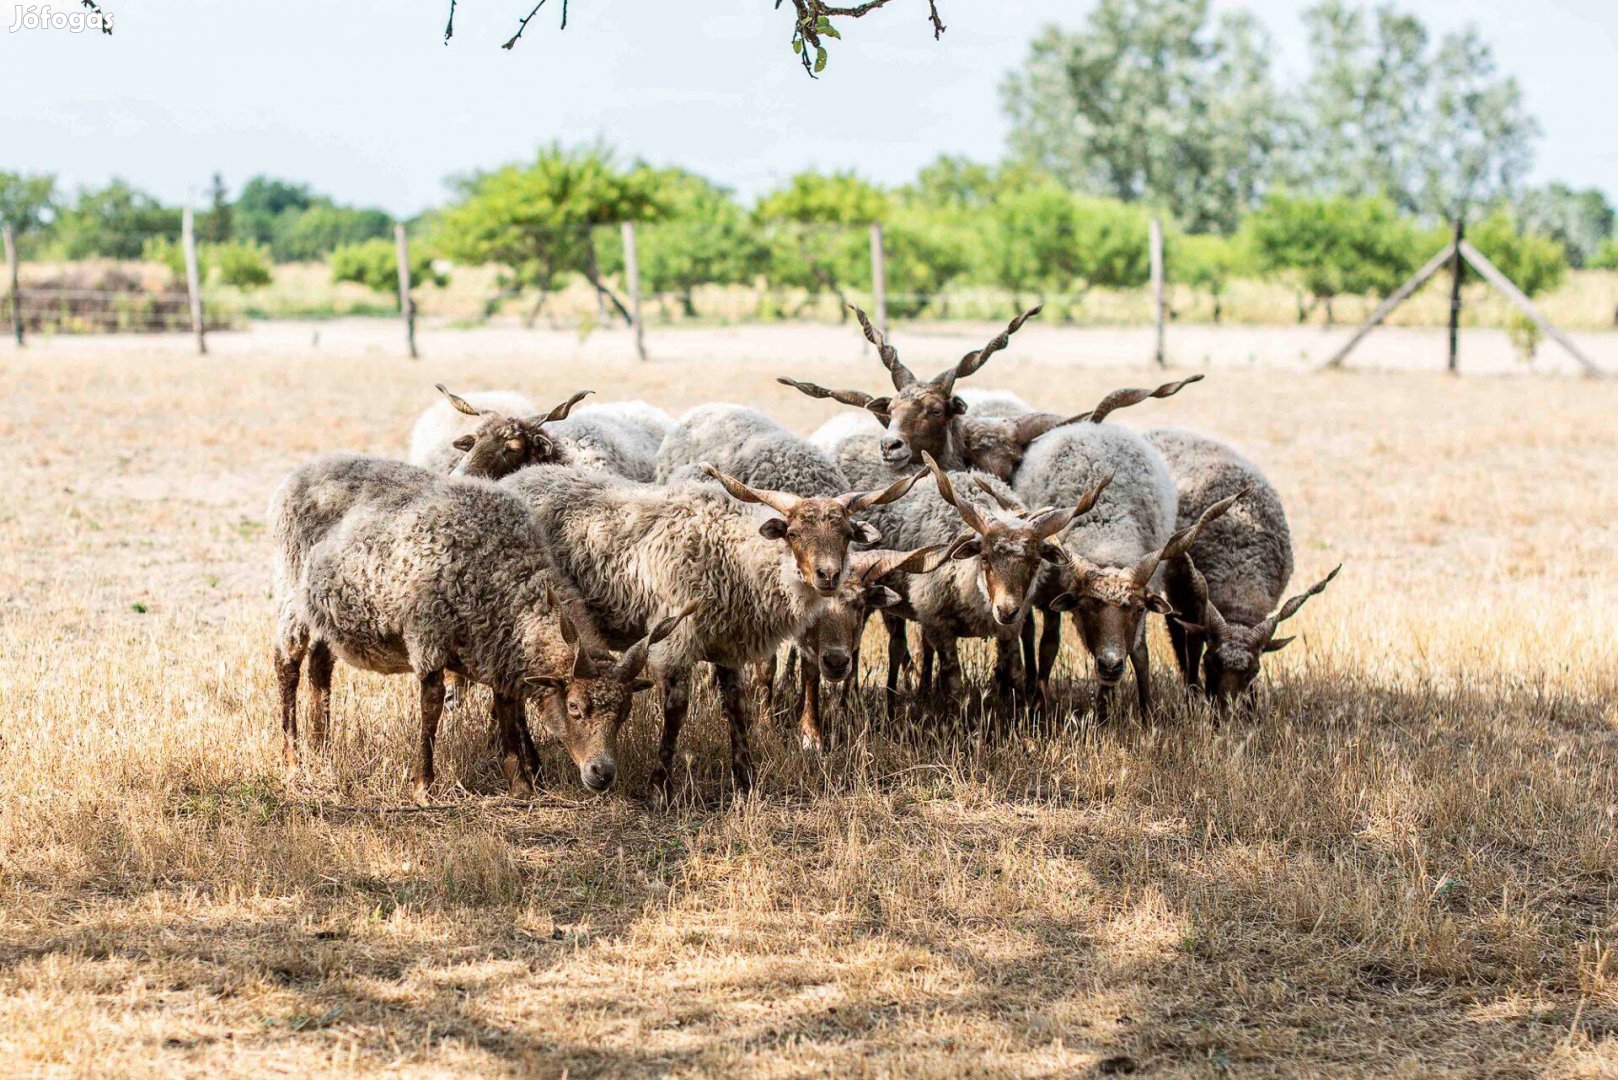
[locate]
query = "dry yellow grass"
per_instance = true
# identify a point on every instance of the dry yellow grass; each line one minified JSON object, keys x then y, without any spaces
{"x":1404,"y":866}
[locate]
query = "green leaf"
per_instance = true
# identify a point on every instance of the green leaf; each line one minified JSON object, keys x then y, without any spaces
{"x":797,"y":44}
{"x":820,"y":59}
{"x":824,"y":26}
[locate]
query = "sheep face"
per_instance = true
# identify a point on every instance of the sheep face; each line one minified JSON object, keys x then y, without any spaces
{"x":834,"y":633}
{"x":1231,"y":662}
{"x":1110,"y":608}
{"x":503,"y":444}
{"x":585,"y":708}
{"x":816,"y":531}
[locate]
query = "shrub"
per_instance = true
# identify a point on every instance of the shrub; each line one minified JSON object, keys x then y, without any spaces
{"x":375,"y":264}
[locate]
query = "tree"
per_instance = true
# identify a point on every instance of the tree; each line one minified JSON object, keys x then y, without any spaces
{"x":313,"y":233}
{"x":1480,"y":145}
{"x":375,"y":264}
{"x":1049,"y":242}
{"x":1150,"y":102}
{"x":706,"y":239}
{"x":215,"y":225}
{"x":27,"y":204}
{"x":1359,"y":130}
{"x":812,"y":239}
{"x":263,"y":200}
{"x":241,"y":264}
{"x":1206,"y":262}
{"x":536,"y":220}
{"x":114,"y":221}
{"x":1328,"y":246}
{"x":1582,"y":221}
{"x":1534,"y":261}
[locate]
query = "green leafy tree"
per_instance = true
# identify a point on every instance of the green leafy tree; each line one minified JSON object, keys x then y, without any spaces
{"x":311,"y":234}
{"x":1047,"y":241}
{"x":27,"y":205}
{"x":1208,"y":262}
{"x":375,"y":264}
{"x":817,"y":232}
{"x":1480,"y":143}
{"x":1329,"y":246}
{"x":237,"y":263}
{"x":1151,"y":101}
{"x":536,"y":220}
{"x":1606,"y":258}
{"x":114,"y":221}
{"x":216,"y":225}
{"x":706,"y":239}
{"x":1581,"y":220}
{"x":262,"y":201}
{"x":1535,"y":262}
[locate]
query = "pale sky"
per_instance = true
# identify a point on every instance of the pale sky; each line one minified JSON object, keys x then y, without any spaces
{"x":363,"y":101}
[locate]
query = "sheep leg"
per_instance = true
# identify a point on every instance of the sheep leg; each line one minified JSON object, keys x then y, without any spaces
{"x":509,"y":720}
{"x":432,"y":707}
{"x":453,"y":689}
{"x":1006,"y":657}
{"x":1140,"y":659}
{"x":764,"y":687}
{"x":320,"y":667}
{"x":926,"y":667}
{"x":898,"y":657}
{"x":950,"y":683}
{"x":1050,"y":643}
{"x":1187,"y":652}
{"x":676,"y":702}
{"x":810,"y":735}
{"x":1030,"y":660}
{"x":854,"y":670}
{"x":288,"y":664}
{"x":735,"y":707}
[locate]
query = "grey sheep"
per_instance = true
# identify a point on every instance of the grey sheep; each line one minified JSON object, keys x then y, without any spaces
{"x":488,"y":441}
{"x":620,"y":437}
{"x":744,"y":443}
{"x":1114,"y":553}
{"x":635,"y":551}
{"x":394,"y":569}
{"x":1229,"y":588}
{"x":442,"y":422}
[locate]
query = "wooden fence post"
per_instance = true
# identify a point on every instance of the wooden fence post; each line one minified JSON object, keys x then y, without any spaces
{"x":193,"y":280}
{"x":879,"y":279}
{"x":632,"y":279}
{"x":407,"y":305}
{"x":1455,"y":299}
{"x":1155,"y":239}
{"x":15,"y":288}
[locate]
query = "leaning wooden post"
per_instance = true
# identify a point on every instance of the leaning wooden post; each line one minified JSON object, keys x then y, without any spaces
{"x":1493,"y":276}
{"x":407,"y":306}
{"x":193,"y":280}
{"x":1155,"y":239}
{"x":1397,"y":297}
{"x":879,"y":278}
{"x":15,"y":288}
{"x":1455,"y":299}
{"x":632,"y":279}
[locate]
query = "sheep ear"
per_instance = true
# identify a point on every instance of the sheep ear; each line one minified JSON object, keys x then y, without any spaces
{"x":957,"y":407}
{"x":465,"y":443}
{"x":1052,"y":553}
{"x":549,"y":682}
{"x":773,"y":529}
{"x":1277,"y":644}
{"x":967,"y":549}
{"x":1066,"y":602}
{"x":879,"y":406}
{"x":866,"y":533}
{"x":1158,"y":603}
{"x":880,"y":596}
{"x":639,"y":685}
{"x":1190,"y":627}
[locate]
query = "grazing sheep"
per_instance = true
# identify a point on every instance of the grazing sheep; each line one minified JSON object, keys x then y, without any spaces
{"x":1115,"y":553}
{"x":922,"y":417}
{"x":394,"y":569}
{"x":499,"y":443}
{"x":634,"y":551}
{"x":1229,"y":587}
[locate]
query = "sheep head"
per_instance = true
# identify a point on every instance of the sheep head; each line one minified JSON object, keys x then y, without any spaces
{"x":918,"y":416}
{"x":1110,"y":603}
{"x":586,"y":706}
{"x":1011,"y":549}
{"x":502,"y":444}
{"x":817,"y":531}
{"x":1231,"y":661}
{"x":834,"y":632}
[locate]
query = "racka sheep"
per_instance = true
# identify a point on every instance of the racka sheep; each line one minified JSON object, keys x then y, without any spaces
{"x":1228,"y":589}
{"x":394,"y":569}
{"x":497,"y":444}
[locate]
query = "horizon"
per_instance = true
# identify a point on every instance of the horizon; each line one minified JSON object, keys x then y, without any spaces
{"x":735,"y":110}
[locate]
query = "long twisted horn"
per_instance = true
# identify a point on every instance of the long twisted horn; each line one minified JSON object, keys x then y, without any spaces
{"x":460,"y":403}
{"x":1120,"y":399}
{"x":1181,"y":542}
{"x":1051,"y":524}
{"x":1025,"y":429}
{"x":561,"y":411}
{"x":968,"y":512}
{"x":634,"y":658}
{"x":855,"y":501}
{"x":1010,"y":506}
{"x":876,"y":565}
{"x":972,"y":361}
{"x":902,"y":376}
{"x":1207,"y":614}
{"x":847,"y":397}
{"x":1290,"y":608}
{"x":781,"y":502}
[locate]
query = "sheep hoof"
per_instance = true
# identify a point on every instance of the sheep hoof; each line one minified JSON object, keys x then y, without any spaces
{"x":811,"y":744}
{"x":418,"y":793}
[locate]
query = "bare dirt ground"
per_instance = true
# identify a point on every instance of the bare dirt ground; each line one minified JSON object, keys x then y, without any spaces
{"x":1403,"y":865}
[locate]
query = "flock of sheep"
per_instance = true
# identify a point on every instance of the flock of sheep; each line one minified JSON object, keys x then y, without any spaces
{"x":572,"y":559}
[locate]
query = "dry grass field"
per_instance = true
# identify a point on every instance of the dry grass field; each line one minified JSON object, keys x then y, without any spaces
{"x":1403,"y":865}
